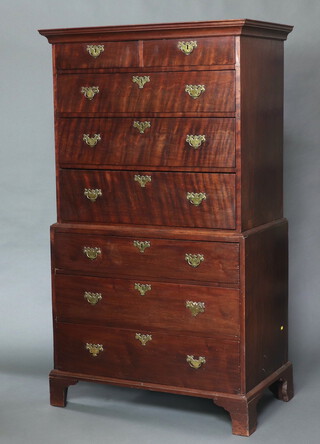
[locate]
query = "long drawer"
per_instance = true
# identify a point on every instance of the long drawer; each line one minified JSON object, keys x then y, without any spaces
{"x":168,"y":359}
{"x":171,"y":199}
{"x":192,"y":309}
{"x":172,"y":142}
{"x":112,"y":256}
{"x":162,"y":91}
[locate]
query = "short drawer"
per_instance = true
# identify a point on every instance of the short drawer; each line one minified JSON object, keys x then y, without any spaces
{"x":189,"y":52}
{"x":147,"y":257}
{"x":211,"y":91}
{"x":172,"y":142}
{"x":155,"y":198}
{"x":140,"y":355}
{"x":193,"y":309}
{"x":96,"y":55}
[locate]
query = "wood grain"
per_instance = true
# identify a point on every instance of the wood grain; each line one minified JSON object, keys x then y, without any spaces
{"x":261,"y":131}
{"x":163,"y":201}
{"x":213,"y":51}
{"x":165,"y":92}
{"x":115,"y":54}
{"x":164,"y":258}
{"x":163,"y":144}
{"x":163,"y":307}
{"x":266,"y":315}
{"x":162,"y":360}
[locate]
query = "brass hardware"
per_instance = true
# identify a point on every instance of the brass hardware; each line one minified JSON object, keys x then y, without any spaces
{"x":92,"y":194}
{"x":143,"y":180}
{"x":143,"y":338}
{"x":91,"y":141}
{"x":92,"y":298}
{"x":92,"y":252}
{"x":142,"y":288}
{"x":141,"y":126}
{"x":194,"y":260}
{"x":195,"y":91}
{"x":95,"y":50}
{"x":282,"y":328}
{"x":196,"y":198}
{"x":141,"y":80}
{"x":195,"y":363}
{"x":195,"y":141}
{"x":195,"y":307}
{"x":187,"y":47}
{"x":141,"y":245}
{"x":94,"y":349}
{"x":89,"y":91}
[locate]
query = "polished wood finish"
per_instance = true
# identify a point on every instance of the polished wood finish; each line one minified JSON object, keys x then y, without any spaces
{"x":241,"y":330}
{"x":165,"y":91}
{"x":163,"y":201}
{"x":218,"y":51}
{"x":261,"y":131}
{"x":115,"y":54}
{"x":266,"y":287}
{"x":162,"y":145}
{"x":163,"y":307}
{"x":162,"y":360}
{"x":212,"y":28}
{"x":164,"y":258}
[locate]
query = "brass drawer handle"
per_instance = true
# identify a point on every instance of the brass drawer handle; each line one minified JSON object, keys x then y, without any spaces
{"x":89,"y":91}
{"x":195,"y":91}
{"x":142,"y":288}
{"x":194,"y":260}
{"x":91,"y":141}
{"x":195,"y":363}
{"x":143,"y":338}
{"x":94,"y":349}
{"x":92,"y":194}
{"x":141,"y":80}
{"x":196,"y":198}
{"x":187,"y":47}
{"x":95,"y":50}
{"x":143,"y":180}
{"x":92,"y":252}
{"x":141,"y":245}
{"x":195,"y":141}
{"x":141,"y":126}
{"x":92,"y":298}
{"x":195,"y":307}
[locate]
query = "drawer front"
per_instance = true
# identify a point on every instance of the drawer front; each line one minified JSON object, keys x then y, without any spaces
{"x":96,"y":55}
{"x":153,"y":198}
{"x":138,"y":258}
{"x":172,"y":142}
{"x":193,"y":309}
{"x":120,"y":354}
{"x":164,"y":92}
{"x":192,"y":51}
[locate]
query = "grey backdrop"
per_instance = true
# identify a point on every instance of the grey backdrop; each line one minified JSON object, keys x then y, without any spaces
{"x":100,"y":414}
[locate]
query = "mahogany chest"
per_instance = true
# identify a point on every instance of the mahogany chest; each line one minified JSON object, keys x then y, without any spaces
{"x":169,"y":255}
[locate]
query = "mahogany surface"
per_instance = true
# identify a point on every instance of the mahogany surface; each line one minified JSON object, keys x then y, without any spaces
{"x":163,"y":201}
{"x":164,"y":258}
{"x":162,"y":145}
{"x":115,"y":54}
{"x":163,"y":307}
{"x":218,"y":51}
{"x":242,"y":333}
{"x":162,"y":360}
{"x":165,"y":91}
